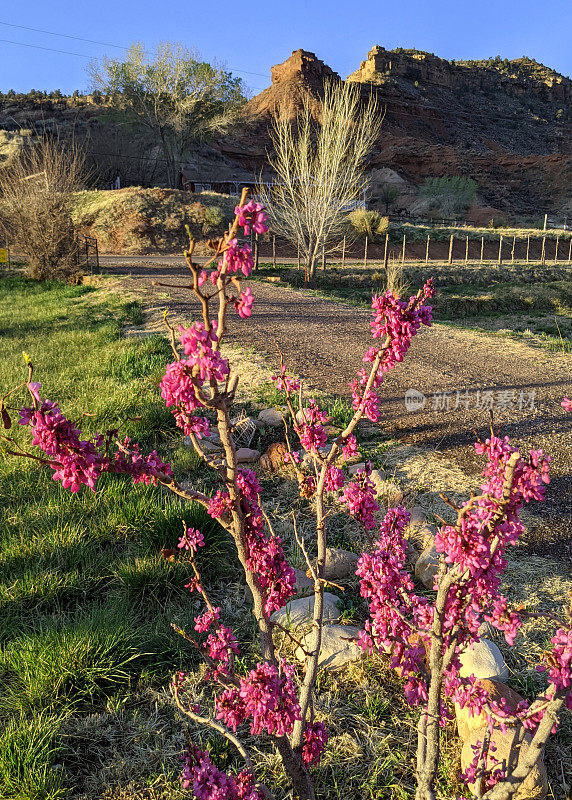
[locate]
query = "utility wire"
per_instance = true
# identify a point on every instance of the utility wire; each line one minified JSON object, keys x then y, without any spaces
{"x":92,"y":41}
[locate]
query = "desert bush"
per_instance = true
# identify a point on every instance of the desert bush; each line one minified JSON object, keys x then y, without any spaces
{"x":35,"y":207}
{"x":259,"y":697}
{"x":365,"y":223}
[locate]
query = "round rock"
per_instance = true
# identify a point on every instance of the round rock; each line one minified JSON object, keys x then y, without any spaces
{"x":271,"y":417}
{"x":483,"y":660}
{"x":338,"y":647}
{"x":245,"y":455}
{"x":427,"y":567}
{"x":299,"y":611}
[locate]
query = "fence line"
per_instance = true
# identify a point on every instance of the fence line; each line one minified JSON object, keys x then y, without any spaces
{"x":477,"y":250}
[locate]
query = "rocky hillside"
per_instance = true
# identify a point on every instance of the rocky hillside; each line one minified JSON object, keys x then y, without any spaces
{"x":506,"y":124}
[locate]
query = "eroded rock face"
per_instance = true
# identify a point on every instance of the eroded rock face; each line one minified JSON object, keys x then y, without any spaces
{"x":273,"y":458}
{"x":302,"y":64}
{"x":506,"y":751}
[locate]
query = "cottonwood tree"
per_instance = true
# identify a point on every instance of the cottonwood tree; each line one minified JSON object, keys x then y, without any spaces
{"x":319,"y":166}
{"x":175,"y":96}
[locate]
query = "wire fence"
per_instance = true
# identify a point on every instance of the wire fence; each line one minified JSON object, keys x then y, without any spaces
{"x":542,"y":249}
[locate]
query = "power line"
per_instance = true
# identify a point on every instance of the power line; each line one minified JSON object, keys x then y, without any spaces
{"x":93,"y":41}
{"x":51,"y":49}
{"x":63,"y":35}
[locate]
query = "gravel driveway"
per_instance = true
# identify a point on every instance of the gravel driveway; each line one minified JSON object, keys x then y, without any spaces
{"x":455,"y":370}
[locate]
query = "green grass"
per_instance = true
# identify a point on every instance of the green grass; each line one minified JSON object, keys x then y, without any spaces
{"x":86,"y":597}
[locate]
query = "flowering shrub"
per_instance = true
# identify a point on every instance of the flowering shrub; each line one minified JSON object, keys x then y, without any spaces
{"x":425,"y":639}
{"x":273,"y":700}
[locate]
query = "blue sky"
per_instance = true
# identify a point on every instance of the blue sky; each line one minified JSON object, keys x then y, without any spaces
{"x":251,"y":36}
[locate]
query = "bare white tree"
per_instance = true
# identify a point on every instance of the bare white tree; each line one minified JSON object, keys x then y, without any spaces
{"x":319,"y":166}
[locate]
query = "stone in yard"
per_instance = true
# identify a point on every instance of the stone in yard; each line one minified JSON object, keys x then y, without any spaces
{"x":483,"y":660}
{"x":534,"y":786}
{"x":337,"y":648}
{"x":418,"y":516}
{"x":210,"y":447}
{"x":356,"y":467}
{"x":427,"y":567}
{"x":339,"y":564}
{"x":303,"y":583}
{"x":332,"y":430}
{"x":245,"y":455}
{"x":299,"y":611}
{"x":273,"y":458}
{"x":497,"y":692}
{"x":271,"y":417}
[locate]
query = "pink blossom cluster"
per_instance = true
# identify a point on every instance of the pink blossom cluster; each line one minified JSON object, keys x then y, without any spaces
{"x":78,"y":462}
{"x":191,"y":540}
{"x":394,"y":608}
{"x":267,"y":696}
{"x":566,"y":404}
{"x":209,"y":783}
{"x":128,"y":460}
{"x":238,"y":258}
{"x":559,"y":663}
{"x":284,"y":382}
{"x":75,"y":462}
{"x":315,"y":740}
{"x":265,"y":554}
{"x":359,"y":497}
{"x":182,"y":382}
{"x":484,"y":766}
{"x":252,"y":215}
{"x":400,"y":620}
{"x":397,"y":321}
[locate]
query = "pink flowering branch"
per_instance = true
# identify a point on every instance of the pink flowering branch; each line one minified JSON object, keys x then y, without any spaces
{"x":467,"y":594}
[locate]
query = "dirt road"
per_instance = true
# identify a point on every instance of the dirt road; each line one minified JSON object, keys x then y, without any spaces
{"x":459,"y":373}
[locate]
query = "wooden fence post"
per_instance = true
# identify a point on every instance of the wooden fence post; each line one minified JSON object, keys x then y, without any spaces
{"x":499,"y":260}
{"x":570,"y":251}
{"x":274,"y":251}
{"x":482,"y":248}
{"x":527,"y":247}
{"x":451,"y":249}
{"x":512,"y":249}
{"x":556,"y":250}
{"x":543,"y":251}
{"x":386,"y":250}
{"x":403,"y":251}
{"x":427,"y":250}
{"x":466,"y":250}
{"x":365,"y":253}
{"x":344,"y":252}
{"x":298,"y":255}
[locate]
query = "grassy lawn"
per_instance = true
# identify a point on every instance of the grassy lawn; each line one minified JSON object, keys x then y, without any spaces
{"x":85,"y":597}
{"x":530,"y":303}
